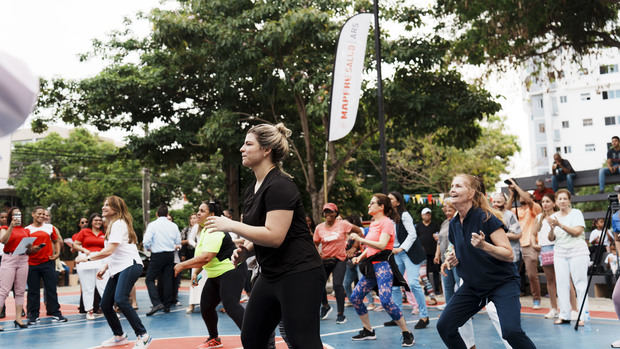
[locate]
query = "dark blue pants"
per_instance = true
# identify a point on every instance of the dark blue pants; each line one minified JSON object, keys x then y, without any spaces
{"x":466,"y":303}
{"x":161,"y":267}
{"x":47,"y":271}
{"x":117,"y":291}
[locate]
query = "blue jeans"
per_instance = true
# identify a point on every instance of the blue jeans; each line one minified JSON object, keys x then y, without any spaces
{"x":449,"y":283}
{"x":405,"y":264}
{"x":605,"y":172}
{"x":117,"y":291}
{"x":555,"y":179}
{"x":352,"y":274}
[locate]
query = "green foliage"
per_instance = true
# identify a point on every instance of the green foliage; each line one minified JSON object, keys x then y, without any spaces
{"x":75,"y":174}
{"x":425,"y":165}
{"x":491,"y":31}
{"x":210,"y":69}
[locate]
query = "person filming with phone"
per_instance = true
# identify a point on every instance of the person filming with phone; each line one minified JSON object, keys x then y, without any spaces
{"x":14,"y":267}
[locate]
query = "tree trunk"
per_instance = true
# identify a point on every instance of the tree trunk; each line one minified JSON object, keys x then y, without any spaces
{"x":232,"y":186}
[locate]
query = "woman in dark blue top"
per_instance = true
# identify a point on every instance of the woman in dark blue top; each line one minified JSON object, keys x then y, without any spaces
{"x":483,"y":259}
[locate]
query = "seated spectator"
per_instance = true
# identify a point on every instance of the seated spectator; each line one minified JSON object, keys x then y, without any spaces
{"x":595,"y":235}
{"x":611,"y":261}
{"x":562,"y":170}
{"x":541,"y":190}
{"x":613,"y":162}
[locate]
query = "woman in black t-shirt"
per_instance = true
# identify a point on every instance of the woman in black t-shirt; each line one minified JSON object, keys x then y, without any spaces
{"x":290,"y":285}
{"x":483,"y":259}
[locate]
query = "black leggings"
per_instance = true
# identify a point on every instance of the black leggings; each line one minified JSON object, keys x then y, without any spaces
{"x":337,"y":267}
{"x":295,"y":299}
{"x":227,"y":288}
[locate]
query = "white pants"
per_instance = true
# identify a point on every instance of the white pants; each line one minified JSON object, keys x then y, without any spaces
{"x":575,"y":268}
{"x":196,"y":291}
{"x":492,"y":312}
{"x":87,"y":272}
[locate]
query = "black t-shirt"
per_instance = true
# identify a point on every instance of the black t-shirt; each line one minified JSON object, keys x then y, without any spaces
{"x":425,"y":234}
{"x":614,"y":155}
{"x":478,"y":269}
{"x":297,"y":252}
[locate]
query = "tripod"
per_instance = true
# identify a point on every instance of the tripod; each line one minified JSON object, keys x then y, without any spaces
{"x":613,"y":202}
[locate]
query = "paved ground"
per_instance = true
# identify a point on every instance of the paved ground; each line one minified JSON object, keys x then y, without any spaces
{"x":179,"y":330}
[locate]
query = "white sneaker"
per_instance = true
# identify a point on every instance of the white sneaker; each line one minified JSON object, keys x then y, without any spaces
{"x":143,"y":341}
{"x":551,"y":314}
{"x":115,"y":341}
{"x":616,"y":344}
{"x":90,"y":315}
{"x":573,"y":315}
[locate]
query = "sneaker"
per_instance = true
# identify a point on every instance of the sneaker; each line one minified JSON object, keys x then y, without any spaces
{"x":347,"y":304}
{"x":143,"y":341}
{"x":573,"y":315}
{"x":59,"y":318}
{"x":90,"y":315}
{"x":616,"y":344}
{"x":211,"y":343}
{"x":364,"y":335}
{"x":115,"y":341}
{"x":422,"y":324}
{"x":441,"y":306}
{"x":536,"y":304}
{"x":551,"y":314}
{"x":32,"y":321}
{"x":370,"y":307}
{"x":341,"y":319}
{"x":378,"y":308}
{"x":415,"y":311}
{"x":390,"y":323}
{"x":408,"y":339}
{"x":325,"y":312}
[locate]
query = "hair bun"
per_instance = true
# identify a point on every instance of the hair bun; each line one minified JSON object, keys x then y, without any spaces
{"x":283,"y":130}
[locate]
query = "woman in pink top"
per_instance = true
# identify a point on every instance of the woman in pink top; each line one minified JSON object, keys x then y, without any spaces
{"x":14,"y":267}
{"x":332,"y":236}
{"x":377,"y":272}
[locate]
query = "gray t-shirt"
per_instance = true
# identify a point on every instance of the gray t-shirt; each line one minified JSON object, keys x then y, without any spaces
{"x":444,"y":242}
{"x":511,"y":221}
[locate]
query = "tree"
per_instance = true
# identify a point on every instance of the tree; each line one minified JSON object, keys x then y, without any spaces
{"x":426,"y":165}
{"x":496,"y":32}
{"x":212,"y":68}
{"x":74,"y":175}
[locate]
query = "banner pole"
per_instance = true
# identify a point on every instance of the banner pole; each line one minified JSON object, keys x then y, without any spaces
{"x":325,"y":174}
{"x":380,"y":99}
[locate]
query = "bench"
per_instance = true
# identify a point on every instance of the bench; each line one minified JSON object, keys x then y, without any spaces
{"x":585,"y":178}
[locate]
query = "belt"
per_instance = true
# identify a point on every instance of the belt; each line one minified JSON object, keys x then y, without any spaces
{"x":12,"y":254}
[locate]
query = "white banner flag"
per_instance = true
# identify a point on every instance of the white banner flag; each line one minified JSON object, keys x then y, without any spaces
{"x":18,"y":93}
{"x":347,"y":79}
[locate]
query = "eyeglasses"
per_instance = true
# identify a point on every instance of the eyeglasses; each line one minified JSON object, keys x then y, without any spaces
{"x":83,"y":222}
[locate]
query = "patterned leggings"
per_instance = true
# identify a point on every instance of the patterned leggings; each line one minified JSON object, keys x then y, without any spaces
{"x":383,"y":281}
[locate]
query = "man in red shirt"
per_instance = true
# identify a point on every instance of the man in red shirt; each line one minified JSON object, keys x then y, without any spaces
{"x":42,"y":265}
{"x":541,"y":190}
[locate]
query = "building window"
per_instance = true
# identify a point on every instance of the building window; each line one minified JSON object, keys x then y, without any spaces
{"x":567,"y":149}
{"x":587,"y":122}
{"x":564,"y":124}
{"x":610,"y":120}
{"x":608,"y":68}
{"x":556,"y":135}
{"x":540,"y":103}
{"x":563,"y":99}
{"x":558,"y":149}
{"x":585,"y":96}
{"x":590,"y":147}
{"x":610,"y":94}
{"x":541,"y":128}
{"x":543,"y":152}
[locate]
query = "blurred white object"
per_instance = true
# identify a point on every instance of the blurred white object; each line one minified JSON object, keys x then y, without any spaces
{"x":18,"y":93}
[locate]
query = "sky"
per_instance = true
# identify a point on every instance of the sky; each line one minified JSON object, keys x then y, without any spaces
{"x":49,"y":36}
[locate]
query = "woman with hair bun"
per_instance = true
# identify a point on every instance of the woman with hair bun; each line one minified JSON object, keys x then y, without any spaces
{"x":292,"y":278}
{"x":483,"y":258}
